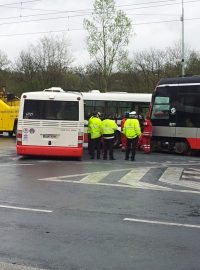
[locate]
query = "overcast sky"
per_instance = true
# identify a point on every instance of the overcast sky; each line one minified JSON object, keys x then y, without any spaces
{"x":156,"y":23}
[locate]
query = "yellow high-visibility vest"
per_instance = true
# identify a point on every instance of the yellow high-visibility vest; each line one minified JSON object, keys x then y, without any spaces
{"x":94,"y":127}
{"x":132,"y":128}
{"x":109,"y":126}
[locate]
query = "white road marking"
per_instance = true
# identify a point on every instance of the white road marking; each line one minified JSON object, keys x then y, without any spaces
{"x":77,"y":175}
{"x":58,"y":178}
{"x":158,"y":188}
{"x":165,"y":164}
{"x":25,"y":209}
{"x":113,"y":185}
{"x":10,"y":266}
{"x":10,"y":164}
{"x":162,"y":223}
{"x":172,"y":176}
{"x":131,"y":179}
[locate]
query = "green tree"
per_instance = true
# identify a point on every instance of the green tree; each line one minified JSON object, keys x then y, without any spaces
{"x":108,"y":37}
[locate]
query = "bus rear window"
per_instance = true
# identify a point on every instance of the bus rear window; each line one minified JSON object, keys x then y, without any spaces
{"x":51,"y":110}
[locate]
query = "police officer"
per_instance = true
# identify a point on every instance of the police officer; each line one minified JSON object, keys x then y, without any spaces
{"x":108,"y":130}
{"x":94,"y":128}
{"x":132,"y":132}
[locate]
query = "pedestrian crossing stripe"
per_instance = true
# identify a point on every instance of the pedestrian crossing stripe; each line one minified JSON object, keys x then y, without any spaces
{"x":192,"y":170}
{"x":133,"y":178}
{"x":94,"y":177}
{"x":190,"y":177}
{"x":175,"y":176}
{"x":191,"y":174}
{"x":171,"y":175}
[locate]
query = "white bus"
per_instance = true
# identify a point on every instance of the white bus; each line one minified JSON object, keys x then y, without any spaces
{"x":115,"y":104}
{"x":50,"y":123}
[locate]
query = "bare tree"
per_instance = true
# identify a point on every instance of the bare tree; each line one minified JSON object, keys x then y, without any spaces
{"x":150,"y":64}
{"x":4,"y":62}
{"x":173,"y":64}
{"x":52,"y":52}
{"x":46,"y":61}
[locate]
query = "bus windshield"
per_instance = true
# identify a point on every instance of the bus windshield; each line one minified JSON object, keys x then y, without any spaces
{"x":51,"y":110}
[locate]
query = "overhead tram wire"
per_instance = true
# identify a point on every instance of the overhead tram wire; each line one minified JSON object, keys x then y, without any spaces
{"x":86,"y":14}
{"x":43,"y":32}
{"x":45,"y":14}
{"x":82,"y":29}
{"x":36,"y":20}
{"x":78,"y":15}
{"x":156,"y":22}
{"x":19,"y":3}
{"x":147,"y":3}
{"x":163,"y":5}
{"x":87,"y":10}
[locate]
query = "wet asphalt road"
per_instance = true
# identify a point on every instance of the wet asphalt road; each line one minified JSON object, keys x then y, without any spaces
{"x":95,"y":215}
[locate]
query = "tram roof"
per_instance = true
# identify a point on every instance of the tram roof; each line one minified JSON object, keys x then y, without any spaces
{"x":180,"y":80}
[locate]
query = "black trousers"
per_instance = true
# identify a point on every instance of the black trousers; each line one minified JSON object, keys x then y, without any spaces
{"x":131,"y":145}
{"x":95,"y":144}
{"x":89,"y":143}
{"x":108,"y":146}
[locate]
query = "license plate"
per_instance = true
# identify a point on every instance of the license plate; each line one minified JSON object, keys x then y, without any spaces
{"x":49,"y":136}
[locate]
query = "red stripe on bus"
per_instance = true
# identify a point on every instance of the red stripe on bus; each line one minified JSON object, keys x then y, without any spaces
{"x":49,"y":151}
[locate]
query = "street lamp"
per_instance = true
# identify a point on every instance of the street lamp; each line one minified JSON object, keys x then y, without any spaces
{"x":183,"y":45}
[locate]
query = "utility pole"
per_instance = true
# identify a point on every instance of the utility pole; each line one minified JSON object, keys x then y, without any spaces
{"x":183,"y":42}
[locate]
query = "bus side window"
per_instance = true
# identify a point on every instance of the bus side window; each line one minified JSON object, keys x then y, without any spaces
{"x":88,"y":109}
{"x":188,"y":109}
